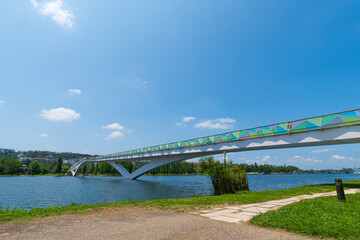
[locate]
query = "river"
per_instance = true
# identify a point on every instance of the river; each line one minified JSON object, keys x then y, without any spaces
{"x":43,"y":191}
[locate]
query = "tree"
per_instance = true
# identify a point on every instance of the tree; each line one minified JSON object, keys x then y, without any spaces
{"x":90,"y":169}
{"x":65,"y":168}
{"x":95,"y":170}
{"x":10,"y":166}
{"x":35,"y":168}
{"x":58,"y":165}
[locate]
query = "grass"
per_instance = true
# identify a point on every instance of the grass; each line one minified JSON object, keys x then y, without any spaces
{"x":180,"y":204}
{"x":322,"y":217}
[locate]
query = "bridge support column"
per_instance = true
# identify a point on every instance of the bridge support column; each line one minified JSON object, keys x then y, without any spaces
{"x":74,"y":170}
{"x":161,"y":161}
{"x":120,"y":169}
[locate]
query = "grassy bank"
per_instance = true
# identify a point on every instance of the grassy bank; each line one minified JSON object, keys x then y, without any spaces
{"x":180,"y":204}
{"x":320,"y":217}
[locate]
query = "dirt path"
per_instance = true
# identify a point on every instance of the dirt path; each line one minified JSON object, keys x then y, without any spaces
{"x":137,"y":223}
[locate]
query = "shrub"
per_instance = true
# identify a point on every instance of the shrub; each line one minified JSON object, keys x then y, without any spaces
{"x":224,"y":178}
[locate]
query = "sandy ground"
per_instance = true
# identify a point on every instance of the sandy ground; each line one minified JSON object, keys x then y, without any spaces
{"x":137,"y":223}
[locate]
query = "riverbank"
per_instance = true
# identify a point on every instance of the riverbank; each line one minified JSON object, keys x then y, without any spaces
{"x":179,"y":204}
{"x":322,"y":217}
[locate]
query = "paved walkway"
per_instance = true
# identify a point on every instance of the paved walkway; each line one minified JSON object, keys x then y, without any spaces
{"x":243,"y":213}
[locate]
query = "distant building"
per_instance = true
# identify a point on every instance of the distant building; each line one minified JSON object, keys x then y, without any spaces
{"x":21,"y":158}
{"x":71,"y":161}
{"x":5,"y":150}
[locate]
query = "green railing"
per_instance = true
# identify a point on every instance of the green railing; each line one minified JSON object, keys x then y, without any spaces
{"x":304,"y":125}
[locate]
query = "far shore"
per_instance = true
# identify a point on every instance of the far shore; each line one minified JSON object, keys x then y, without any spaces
{"x":185,"y":174}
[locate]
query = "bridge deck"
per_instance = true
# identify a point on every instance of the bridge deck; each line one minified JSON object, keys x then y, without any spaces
{"x":335,"y":120}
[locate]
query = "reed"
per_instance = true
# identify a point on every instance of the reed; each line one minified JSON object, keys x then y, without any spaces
{"x":224,"y":177}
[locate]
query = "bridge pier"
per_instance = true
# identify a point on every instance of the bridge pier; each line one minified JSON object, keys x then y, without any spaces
{"x":124,"y":173}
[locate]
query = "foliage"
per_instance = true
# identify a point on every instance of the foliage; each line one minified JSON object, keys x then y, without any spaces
{"x":53,"y":155}
{"x":176,"y":168}
{"x":10,"y":166}
{"x":35,"y":168}
{"x":9,"y":155}
{"x":224,"y":178}
{"x":321,"y":217}
{"x":90,"y":168}
{"x":64,"y":168}
{"x":58,"y":165}
{"x":266,"y":168}
{"x":344,"y":170}
{"x":244,"y":197}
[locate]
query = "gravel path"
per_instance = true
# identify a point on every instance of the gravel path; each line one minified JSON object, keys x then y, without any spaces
{"x":137,"y":223}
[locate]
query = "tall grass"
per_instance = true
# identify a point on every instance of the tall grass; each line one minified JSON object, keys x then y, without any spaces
{"x":224,"y":178}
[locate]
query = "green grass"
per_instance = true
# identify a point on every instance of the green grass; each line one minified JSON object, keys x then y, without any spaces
{"x":322,"y":217}
{"x":180,"y":204}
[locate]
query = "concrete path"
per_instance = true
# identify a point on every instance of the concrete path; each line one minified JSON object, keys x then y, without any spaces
{"x":243,"y":213}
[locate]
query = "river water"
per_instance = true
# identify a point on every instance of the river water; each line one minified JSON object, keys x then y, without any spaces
{"x":29,"y":192}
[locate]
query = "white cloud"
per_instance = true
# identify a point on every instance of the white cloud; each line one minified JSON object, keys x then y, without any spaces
{"x":74,"y":91}
{"x":130,"y":131}
{"x":114,"y":126}
{"x":115,"y":135}
{"x":300,"y":159}
{"x":188,"y":119}
{"x":44,"y":135}
{"x":338,"y":157}
{"x":2,"y":102}
{"x":60,"y":114}
{"x":34,"y":3}
{"x":185,"y":120}
{"x":323,"y":150}
{"x":220,"y":123}
{"x":96,"y":135}
{"x":55,"y":9}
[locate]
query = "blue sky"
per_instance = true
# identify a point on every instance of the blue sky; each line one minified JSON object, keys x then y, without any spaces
{"x":106,"y":76}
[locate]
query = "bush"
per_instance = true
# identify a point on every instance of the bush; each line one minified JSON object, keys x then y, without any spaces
{"x":224,"y":178}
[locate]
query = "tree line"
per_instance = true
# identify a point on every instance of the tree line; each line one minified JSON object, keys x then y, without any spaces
{"x":12,"y":166}
{"x":267,"y":168}
{"x":104,"y":168}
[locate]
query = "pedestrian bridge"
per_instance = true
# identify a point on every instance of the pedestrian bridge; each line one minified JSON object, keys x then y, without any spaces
{"x":337,"y":128}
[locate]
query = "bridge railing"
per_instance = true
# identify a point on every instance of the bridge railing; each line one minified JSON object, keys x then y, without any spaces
{"x":335,"y":120}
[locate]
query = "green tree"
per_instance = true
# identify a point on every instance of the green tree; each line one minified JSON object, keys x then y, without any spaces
{"x":90,"y":169}
{"x":95,"y":170}
{"x":58,"y":165}
{"x":10,"y":166}
{"x":35,"y":168}
{"x":65,"y":168}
